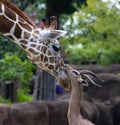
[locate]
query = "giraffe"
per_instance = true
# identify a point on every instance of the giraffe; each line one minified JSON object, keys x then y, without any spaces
{"x":77,"y":80}
{"x":40,"y":44}
{"x":43,"y":48}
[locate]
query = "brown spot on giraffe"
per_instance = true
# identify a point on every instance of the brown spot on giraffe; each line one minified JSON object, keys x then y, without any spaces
{"x":46,"y":59}
{"x":26,"y":26}
{"x":21,"y":20}
{"x":35,"y":59}
{"x":43,"y":49}
{"x":31,"y":40}
{"x":49,"y":53}
{"x":38,"y":47}
{"x":46,"y":65}
{"x":17,"y":31}
{"x":51,"y":67}
{"x":52,"y":60}
{"x":34,"y":36}
{"x":12,"y":16}
{"x":33,"y":45}
{"x":37,"y":32}
{"x":42,"y":56}
{"x":6,"y":25}
{"x":10,"y":37}
{"x":23,"y":46}
{"x":55,"y":72}
{"x":33,"y":51}
{"x":27,"y":35}
{"x":24,"y":41}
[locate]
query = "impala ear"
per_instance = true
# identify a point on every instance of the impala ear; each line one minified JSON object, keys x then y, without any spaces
{"x":51,"y":34}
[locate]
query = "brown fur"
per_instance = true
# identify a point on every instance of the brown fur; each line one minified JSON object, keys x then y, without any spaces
{"x":18,"y":11}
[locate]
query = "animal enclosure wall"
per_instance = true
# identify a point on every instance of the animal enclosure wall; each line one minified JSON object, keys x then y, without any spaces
{"x":44,"y":86}
{"x":8,"y":89}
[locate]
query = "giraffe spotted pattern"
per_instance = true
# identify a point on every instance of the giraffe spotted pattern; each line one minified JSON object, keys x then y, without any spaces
{"x":44,"y":53}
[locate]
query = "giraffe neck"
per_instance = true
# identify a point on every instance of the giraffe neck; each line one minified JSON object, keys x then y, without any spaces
{"x":13,"y":26}
{"x":18,"y":30}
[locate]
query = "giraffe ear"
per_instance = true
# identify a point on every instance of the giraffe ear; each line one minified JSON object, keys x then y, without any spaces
{"x":51,"y":34}
{"x":57,"y":33}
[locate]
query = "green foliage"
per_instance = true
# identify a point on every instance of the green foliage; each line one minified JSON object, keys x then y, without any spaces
{"x":12,"y":67}
{"x":22,"y":4}
{"x":96,"y":28}
{"x":79,"y":55}
{"x":39,"y":13}
{"x":22,"y":96}
{"x":5,"y":101}
{"x":10,"y":47}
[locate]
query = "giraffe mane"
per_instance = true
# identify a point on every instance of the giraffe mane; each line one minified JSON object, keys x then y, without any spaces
{"x":18,"y":11}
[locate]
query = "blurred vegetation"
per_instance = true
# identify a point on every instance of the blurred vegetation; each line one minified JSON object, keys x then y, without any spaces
{"x":5,"y":101}
{"x":93,"y":34}
{"x":23,"y":96}
{"x":12,"y":67}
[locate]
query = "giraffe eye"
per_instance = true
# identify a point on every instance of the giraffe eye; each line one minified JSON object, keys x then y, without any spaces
{"x":76,"y":73}
{"x":56,"y":48}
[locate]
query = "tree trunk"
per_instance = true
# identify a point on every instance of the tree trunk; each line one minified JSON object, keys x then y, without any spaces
{"x":8,"y":89}
{"x":45,"y":87}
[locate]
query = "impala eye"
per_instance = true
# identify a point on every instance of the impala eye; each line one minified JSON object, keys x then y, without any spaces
{"x":76,"y":73}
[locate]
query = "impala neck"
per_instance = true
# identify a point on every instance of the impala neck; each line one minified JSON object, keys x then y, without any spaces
{"x":74,"y":105}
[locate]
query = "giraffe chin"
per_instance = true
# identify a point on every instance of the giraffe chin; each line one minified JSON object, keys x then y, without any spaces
{"x":65,"y":84}
{"x":63,"y":78}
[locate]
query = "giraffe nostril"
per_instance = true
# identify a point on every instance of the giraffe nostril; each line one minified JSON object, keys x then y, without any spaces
{"x":56,"y":48}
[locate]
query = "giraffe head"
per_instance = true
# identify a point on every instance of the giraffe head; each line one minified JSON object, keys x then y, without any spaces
{"x":45,"y":51}
{"x":50,"y":59}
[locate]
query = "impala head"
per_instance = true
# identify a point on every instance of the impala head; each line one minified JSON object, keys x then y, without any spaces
{"x":72,"y":77}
